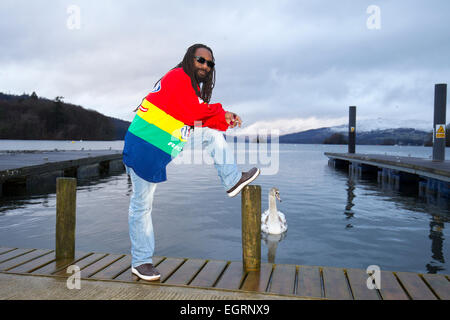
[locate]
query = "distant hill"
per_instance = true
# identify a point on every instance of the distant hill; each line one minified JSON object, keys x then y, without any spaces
{"x":315,"y":136}
{"x":399,"y":136}
{"x":120,"y":128}
{"x":28,"y":117}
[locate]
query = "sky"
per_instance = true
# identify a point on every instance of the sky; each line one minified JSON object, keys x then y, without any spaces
{"x":286,"y":65}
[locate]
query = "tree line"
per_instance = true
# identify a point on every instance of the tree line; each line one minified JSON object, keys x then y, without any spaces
{"x":28,"y":117}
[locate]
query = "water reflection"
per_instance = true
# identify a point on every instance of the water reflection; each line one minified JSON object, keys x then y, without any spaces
{"x":407,"y":199}
{"x":437,"y":243}
{"x":438,"y":217}
{"x":271,"y":241}
{"x":46,"y":197}
{"x":349,"y":213}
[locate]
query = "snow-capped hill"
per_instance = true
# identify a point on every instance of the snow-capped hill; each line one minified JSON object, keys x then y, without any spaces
{"x":295,"y":125}
{"x":391,"y":136}
{"x":368,"y":125}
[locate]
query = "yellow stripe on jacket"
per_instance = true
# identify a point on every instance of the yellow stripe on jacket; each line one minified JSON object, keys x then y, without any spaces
{"x":153,"y":115}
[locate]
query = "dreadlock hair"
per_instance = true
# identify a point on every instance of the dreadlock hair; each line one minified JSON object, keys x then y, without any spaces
{"x":187,"y":64}
{"x":207,"y":85}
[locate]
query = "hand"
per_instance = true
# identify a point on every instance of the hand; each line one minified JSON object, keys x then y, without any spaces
{"x":233,"y":119}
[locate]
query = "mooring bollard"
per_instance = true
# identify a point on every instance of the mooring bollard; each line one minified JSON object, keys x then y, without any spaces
{"x":440,"y":106}
{"x":251,"y":227}
{"x":351,"y":129}
{"x":66,"y":189}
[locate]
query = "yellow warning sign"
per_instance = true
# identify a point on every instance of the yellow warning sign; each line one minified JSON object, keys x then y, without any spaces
{"x":440,"y":131}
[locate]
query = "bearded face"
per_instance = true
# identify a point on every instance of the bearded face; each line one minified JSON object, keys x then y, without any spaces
{"x":202,"y":60}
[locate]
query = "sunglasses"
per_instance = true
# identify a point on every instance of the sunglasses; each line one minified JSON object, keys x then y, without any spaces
{"x":202,"y":60}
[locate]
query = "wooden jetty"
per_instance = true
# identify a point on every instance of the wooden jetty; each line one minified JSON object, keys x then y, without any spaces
{"x":272,"y":280}
{"x":428,"y":176}
{"x":36,"y":171}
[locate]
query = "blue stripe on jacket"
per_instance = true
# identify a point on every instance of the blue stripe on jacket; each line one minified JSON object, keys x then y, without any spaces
{"x":148,"y":161}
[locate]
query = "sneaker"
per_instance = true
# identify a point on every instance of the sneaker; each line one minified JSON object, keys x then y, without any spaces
{"x":146,"y":271}
{"x":246,"y":178}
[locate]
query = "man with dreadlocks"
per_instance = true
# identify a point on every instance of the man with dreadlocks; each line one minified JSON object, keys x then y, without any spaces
{"x":158,"y":133}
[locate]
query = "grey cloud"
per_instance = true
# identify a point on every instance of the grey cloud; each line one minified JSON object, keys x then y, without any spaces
{"x":281,"y":59}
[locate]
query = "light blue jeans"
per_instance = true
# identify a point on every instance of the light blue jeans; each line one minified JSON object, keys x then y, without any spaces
{"x":141,"y":202}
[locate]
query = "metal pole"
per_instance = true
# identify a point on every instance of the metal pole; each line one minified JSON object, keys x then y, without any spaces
{"x":251,"y":227}
{"x":65,"y":218}
{"x":352,"y":129}
{"x":440,"y":106}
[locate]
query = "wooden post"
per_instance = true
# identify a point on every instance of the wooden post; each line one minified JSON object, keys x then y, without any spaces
{"x":251,"y":227}
{"x":440,"y":106}
{"x":65,"y":217}
{"x":351,"y":129}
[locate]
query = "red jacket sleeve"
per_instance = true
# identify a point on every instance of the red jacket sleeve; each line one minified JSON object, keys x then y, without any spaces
{"x":217,"y":122}
{"x":191,"y":109}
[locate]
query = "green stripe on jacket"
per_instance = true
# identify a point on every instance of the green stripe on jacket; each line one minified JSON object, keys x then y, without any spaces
{"x":156,"y":136}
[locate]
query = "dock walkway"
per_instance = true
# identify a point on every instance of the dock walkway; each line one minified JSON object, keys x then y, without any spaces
{"x":204,"y":279}
{"x":36,"y":171}
{"x":423,"y":176}
{"x":419,"y":166}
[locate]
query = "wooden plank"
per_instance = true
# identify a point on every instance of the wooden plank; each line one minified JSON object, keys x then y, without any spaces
{"x":283,"y":279}
{"x":415,"y":286}
{"x":157,"y":260}
{"x":358,"y":283}
{"x":186,"y":272}
{"x":440,"y":285}
{"x":335,"y":284}
{"x":5,"y":266}
{"x":82,"y":263}
{"x":13,"y":254}
{"x":232,"y":276}
{"x":57,"y":265}
{"x":114,"y":269}
{"x":391,"y":288}
{"x":208,"y":276}
{"x":258,"y":280}
{"x":99,"y":265}
{"x":4,"y":250}
{"x":127,"y":275}
{"x":130,"y":277}
{"x":309,"y":283}
{"x":167,"y":267}
{"x":34,"y":264}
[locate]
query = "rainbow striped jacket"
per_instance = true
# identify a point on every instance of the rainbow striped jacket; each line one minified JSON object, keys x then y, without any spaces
{"x":163,"y":124}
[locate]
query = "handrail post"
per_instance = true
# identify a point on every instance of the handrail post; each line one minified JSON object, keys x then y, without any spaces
{"x":251,"y":227}
{"x":65,"y":218}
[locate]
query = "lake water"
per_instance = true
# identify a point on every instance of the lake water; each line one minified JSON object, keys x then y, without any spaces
{"x":332,"y":220}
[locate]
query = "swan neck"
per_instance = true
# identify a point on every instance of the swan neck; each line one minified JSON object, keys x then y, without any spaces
{"x":272,"y":204}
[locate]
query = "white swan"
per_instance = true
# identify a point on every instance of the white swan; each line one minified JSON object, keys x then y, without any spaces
{"x":272,"y":220}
